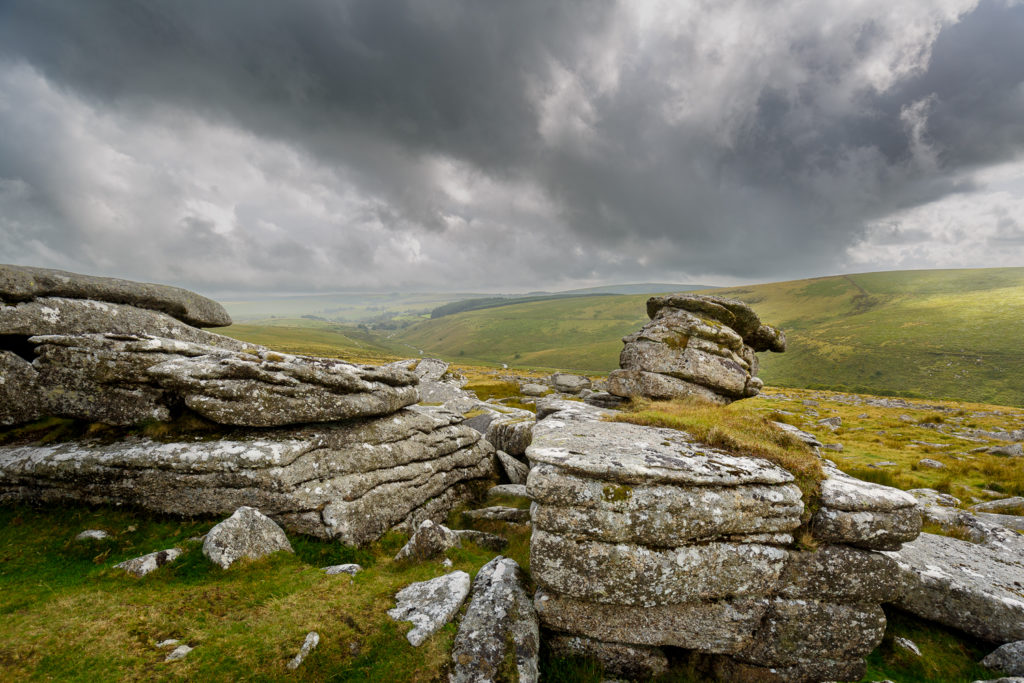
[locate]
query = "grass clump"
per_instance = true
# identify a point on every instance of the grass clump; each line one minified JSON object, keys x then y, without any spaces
{"x":737,"y":429}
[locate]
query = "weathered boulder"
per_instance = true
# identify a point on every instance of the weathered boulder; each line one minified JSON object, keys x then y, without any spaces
{"x":695,"y":345}
{"x":864,"y":514}
{"x":59,"y":316}
{"x":431,"y":369}
{"x":1008,"y":658}
{"x":533,"y":389}
{"x":499,"y":513}
{"x":92,"y":535}
{"x":429,"y":605}
{"x":568,"y":383}
{"x":483,"y":539}
{"x":508,"y":429}
{"x":500,"y":625}
{"x":430,"y":540}
{"x":1004,"y":506}
{"x":247,"y":533}
{"x":351,"y":569}
{"x":144,"y":564}
{"x":125,"y":379}
{"x":353,"y":481}
{"x":975,"y":588}
{"x":309,"y":644}
{"x":23,"y":283}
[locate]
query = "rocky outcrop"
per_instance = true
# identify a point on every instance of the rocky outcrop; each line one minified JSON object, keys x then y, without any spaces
{"x":247,"y":533}
{"x":352,"y":480}
{"x":644,"y":538}
{"x":150,"y":562}
{"x":695,"y":345}
{"x":23,"y":283}
{"x":499,"y":627}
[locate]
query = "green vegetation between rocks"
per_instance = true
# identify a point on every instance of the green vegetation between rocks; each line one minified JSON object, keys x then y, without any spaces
{"x":737,"y":428}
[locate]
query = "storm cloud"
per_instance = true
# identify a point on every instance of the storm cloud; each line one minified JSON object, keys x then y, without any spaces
{"x":313,"y":145}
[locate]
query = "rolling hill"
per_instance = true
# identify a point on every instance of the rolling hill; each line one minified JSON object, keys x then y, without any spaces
{"x":938,"y":333}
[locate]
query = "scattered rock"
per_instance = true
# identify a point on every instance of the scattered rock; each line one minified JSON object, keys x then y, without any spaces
{"x":569,"y":384}
{"x":837,"y":447}
{"x":499,"y":513}
{"x":140,"y":566}
{"x":931,"y":464}
{"x":429,"y":605}
{"x":92,"y":535}
{"x":168,"y":643}
{"x":1015,"y":450}
{"x":500,"y":624}
{"x":883,"y":463}
{"x":350,"y":569}
{"x":531,"y":389}
{"x":603,"y":399}
{"x":800,"y":434}
{"x":907,"y":644}
{"x":1004,"y":506}
{"x":832,"y":423}
{"x":931,"y":497}
{"x":308,"y":645}
{"x":1008,"y":658}
{"x":514,"y":470}
{"x":430,"y":540}
{"x":179,"y":653}
{"x":247,"y":533}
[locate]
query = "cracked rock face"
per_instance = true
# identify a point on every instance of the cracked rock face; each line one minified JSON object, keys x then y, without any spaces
{"x":644,"y":538}
{"x":353,"y":481}
{"x":978,"y":589}
{"x":247,"y":533}
{"x":125,"y":379}
{"x":500,"y":624}
{"x":23,"y":283}
{"x":695,"y":345}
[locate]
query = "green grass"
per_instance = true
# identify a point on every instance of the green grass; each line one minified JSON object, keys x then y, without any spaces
{"x":66,"y":614}
{"x":940,"y":333}
{"x":317,"y":338}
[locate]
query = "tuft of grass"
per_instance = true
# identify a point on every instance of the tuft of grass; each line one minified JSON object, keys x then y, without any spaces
{"x":736,"y":428}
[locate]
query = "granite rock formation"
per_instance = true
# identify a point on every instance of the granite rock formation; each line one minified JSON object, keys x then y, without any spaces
{"x":695,"y":345}
{"x":322,"y":446}
{"x":644,"y":538}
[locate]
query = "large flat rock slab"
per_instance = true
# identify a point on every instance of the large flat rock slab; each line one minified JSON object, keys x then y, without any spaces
{"x":352,"y":481}
{"x":24,"y":283}
{"x":56,"y":315}
{"x":124,"y":379}
{"x":975,"y":588}
{"x":633,"y":454}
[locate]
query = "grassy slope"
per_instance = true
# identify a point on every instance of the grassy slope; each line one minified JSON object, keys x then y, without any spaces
{"x":577,"y":334}
{"x":948,"y":334}
{"x":316,"y":338}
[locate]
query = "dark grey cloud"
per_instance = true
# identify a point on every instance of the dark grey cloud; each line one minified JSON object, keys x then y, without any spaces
{"x":313,"y":144}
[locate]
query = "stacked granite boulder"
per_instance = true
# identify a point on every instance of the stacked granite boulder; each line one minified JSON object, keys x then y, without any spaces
{"x":695,"y":345}
{"x":644,"y":538}
{"x":323,"y":446}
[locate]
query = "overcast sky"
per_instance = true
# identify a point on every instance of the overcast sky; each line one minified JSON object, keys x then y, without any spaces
{"x":316,"y":145}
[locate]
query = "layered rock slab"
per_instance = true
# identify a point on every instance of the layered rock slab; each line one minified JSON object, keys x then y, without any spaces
{"x":125,"y":379}
{"x":645,"y":538}
{"x":25,"y":283}
{"x":352,"y":481}
{"x":975,"y":588}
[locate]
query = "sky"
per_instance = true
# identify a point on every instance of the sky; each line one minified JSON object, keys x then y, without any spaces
{"x":456,"y":145}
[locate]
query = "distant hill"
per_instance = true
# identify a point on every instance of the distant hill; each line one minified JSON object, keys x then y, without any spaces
{"x":937,"y":333}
